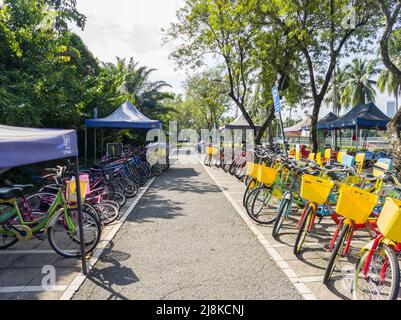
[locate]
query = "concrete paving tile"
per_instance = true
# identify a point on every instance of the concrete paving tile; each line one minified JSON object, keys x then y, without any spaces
{"x":18,"y":276}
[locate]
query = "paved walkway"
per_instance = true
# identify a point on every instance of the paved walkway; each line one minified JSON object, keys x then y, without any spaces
{"x":185,"y":240}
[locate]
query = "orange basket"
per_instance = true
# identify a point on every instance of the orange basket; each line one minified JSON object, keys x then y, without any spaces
{"x":356,"y":204}
{"x":315,"y":189}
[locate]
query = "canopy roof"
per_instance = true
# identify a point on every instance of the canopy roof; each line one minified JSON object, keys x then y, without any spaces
{"x":21,"y":146}
{"x":363,"y":116}
{"x":125,"y":117}
{"x":239,"y":123}
{"x":330,"y":117}
{"x":295,"y":130}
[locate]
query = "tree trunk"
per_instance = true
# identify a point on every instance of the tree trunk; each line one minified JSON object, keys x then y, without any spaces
{"x":315,"y":115}
{"x":270,"y":132}
{"x":269,"y":119}
{"x":394,"y":139}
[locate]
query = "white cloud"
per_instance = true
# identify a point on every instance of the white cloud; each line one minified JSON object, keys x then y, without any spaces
{"x":126,"y":28}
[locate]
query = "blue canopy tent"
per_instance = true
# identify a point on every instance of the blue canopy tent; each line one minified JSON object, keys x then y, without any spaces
{"x":125,"y":117}
{"x":324,"y":122}
{"x":363,"y":116}
{"x":22,"y":146}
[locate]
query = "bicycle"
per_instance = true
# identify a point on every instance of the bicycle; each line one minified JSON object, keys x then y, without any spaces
{"x":60,"y":223}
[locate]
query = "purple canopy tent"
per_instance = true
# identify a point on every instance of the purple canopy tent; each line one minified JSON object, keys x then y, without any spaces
{"x":22,"y":146}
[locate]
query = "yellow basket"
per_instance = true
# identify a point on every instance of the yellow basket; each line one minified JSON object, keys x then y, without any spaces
{"x":355,"y":204}
{"x":211,"y":150}
{"x":267,"y":175}
{"x":71,"y":192}
{"x":252,"y":170}
{"x":315,"y":189}
{"x":389,"y":221}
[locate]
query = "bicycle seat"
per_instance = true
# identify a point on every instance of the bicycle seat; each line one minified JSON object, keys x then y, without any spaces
{"x":9,"y":193}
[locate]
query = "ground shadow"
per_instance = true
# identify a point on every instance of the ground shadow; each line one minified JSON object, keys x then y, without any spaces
{"x":114,"y":275}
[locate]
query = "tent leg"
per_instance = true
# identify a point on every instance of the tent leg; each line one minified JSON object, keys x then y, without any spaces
{"x":94,"y":146}
{"x":86,"y":146}
{"x":102,"y":143}
{"x":80,"y":224}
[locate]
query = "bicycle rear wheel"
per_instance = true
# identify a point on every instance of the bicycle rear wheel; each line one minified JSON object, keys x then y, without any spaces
{"x":382,"y":281}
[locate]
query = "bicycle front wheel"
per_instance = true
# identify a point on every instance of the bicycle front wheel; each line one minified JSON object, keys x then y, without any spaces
{"x":282,"y":212}
{"x":304,"y":229}
{"x":258,"y":206}
{"x":382,"y":281}
{"x":66,"y":241}
{"x":338,"y":249}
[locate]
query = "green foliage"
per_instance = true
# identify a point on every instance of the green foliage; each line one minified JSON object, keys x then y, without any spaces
{"x":358,"y":86}
{"x":49,"y":78}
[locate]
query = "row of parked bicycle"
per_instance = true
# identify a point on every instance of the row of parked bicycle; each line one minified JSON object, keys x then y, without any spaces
{"x":311,"y":190}
{"x":51,"y":211}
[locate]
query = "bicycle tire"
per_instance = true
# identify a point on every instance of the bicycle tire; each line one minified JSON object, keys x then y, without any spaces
{"x":336,"y":253}
{"x":303,"y":230}
{"x":250,"y":208}
{"x":395,"y":272}
{"x":283,"y":208}
{"x":4,"y":236}
{"x":76,"y":253}
{"x":248,"y":190}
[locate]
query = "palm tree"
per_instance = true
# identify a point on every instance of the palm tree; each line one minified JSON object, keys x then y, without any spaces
{"x":334,"y":93}
{"x":386,"y":81}
{"x":358,"y":85}
{"x":136,"y":84}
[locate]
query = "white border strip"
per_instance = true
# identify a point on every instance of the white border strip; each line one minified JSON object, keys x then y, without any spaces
{"x":289,"y":272}
{"x":31,"y":289}
{"x":80,"y":278}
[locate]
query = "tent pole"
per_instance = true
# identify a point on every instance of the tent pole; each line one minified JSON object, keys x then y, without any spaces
{"x":102,"y":143}
{"x":80,"y":223}
{"x":86,"y":146}
{"x":357,"y":138}
{"x":94,"y":146}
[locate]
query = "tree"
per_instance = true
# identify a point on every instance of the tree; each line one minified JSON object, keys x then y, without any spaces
{"x":317,"y":29}
{"x":136,"y":84}
{"x":46,"y":71}
{"x":387,"y":81}
{"x":208,"y":98}
{"x":335,"y":90}
{"x":391,"y":12}
{"x":358,"y":86}
{"x":220,"y":28}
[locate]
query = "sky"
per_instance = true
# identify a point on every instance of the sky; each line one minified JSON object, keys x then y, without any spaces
{"x":132,"y":28}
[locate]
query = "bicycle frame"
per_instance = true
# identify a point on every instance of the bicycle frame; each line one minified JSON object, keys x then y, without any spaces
{"x":47,"y":220}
